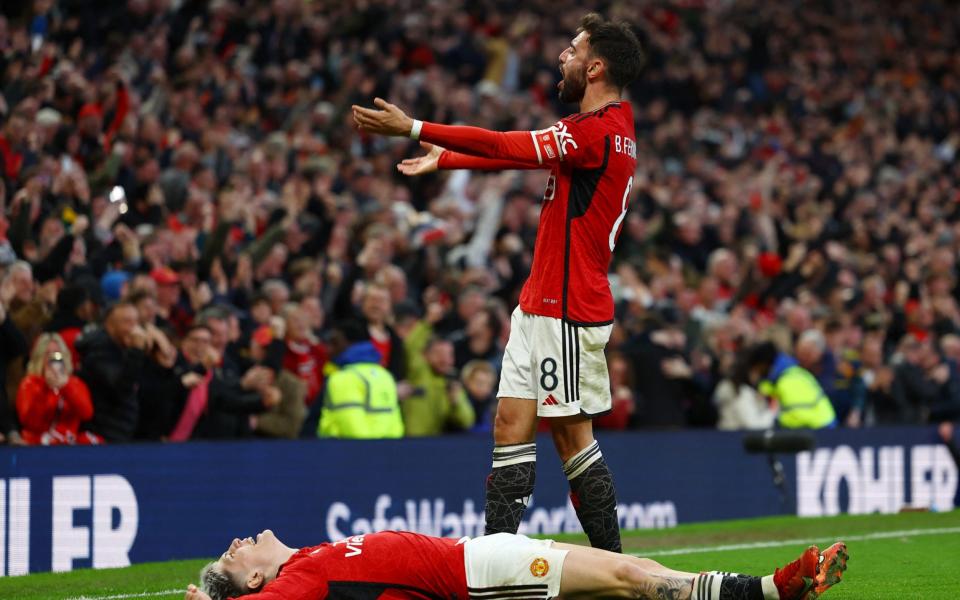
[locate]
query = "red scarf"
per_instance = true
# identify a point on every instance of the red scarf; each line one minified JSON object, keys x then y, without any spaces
{"x":196,"y":405}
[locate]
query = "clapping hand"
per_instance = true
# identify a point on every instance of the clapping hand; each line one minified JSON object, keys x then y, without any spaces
{"x":676,"y":368}
{"x":191,"y":380}
{"x":137,"y":338}
{"x":80,"y":225}
{"x":271,"y":396}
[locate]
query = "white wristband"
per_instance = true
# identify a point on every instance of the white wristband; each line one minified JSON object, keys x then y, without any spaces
{"x":415,"y":130}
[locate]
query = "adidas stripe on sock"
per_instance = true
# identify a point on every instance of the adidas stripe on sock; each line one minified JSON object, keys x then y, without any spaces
{"x":514,"y":454}
{"x":582,"y":460}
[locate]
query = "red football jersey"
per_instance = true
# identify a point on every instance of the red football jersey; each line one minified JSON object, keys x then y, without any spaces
{"x":381,"y":566}
{"x":592,"y":158}
{"x":306,"y":360}
{"x":584,"y":206}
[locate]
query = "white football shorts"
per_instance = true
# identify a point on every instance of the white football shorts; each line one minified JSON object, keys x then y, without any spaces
{"x":505,"y":565}
{"x":560,"y":365}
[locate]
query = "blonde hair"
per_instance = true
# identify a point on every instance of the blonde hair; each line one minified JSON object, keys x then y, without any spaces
{"x":38,"y":357}
{"x":474,"y":366}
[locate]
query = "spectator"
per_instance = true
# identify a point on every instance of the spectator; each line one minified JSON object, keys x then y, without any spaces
{"x":114,"y":285}
{"x":878,"y":379}
{"x":194,"y":370}
{"x":160,"y":394}
{"x":842,"y":358}
{"x":12,"y":140}
{"x":12,"y":347}
{"x":438,"y":402}
{"x":77,"y":307}
{"x":285,"y":419}
{"x":621,"y":390}
{"x":739,"y":405}
{"x":824,"y":354}
{"x":112,"y":357}
{"x":52,"y":402}
{"x":916,"y":382}
{"x":724,"y":268}
{"x":305,"y":356}
{"x":145,"y":301}
{"x":232,"y":396}
{"x":260,"y":310}
{"x":810,"y":351}
{"x":948,"y":409}
{"x":277,"y":294}
{"x":360,"y":400}
{"x":802,"y":402}
{"x":480,"y":339}
{"x":479,"y":380}
{"x":469,"y":302}
{"x":314,"y":312}
{"x":375,"y":309}
{"x":169,"y":309}
{"x":28,"y":310}
{"x":666,"y":393}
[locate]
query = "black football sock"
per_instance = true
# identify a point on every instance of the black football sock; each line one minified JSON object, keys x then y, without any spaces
{"x":717,"y":585}
{"x":594,"y":498}
{"x":509,"y":486}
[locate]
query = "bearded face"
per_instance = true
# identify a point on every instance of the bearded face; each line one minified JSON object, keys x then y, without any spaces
{"x":574,"y":82}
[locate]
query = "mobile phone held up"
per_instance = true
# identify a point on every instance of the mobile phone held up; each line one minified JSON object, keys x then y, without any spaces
{"x":118,"y":194}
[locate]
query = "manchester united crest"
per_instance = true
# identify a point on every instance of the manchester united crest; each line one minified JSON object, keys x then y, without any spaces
{"x":539,"y":567}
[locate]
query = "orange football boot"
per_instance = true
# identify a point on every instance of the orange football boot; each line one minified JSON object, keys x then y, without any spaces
{"x":808,"y":577}
{"x":797,"y":579}
{"x":833,"y":562}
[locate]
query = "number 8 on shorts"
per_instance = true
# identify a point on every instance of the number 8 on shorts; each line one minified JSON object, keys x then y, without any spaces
{"x":560,"y":364}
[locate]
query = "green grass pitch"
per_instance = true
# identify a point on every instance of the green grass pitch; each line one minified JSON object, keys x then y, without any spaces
{"x":905,"y":556}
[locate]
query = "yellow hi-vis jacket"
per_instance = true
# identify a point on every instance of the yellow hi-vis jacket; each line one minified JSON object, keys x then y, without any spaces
{"x":803,"y":403}
{"x":360,"y":402}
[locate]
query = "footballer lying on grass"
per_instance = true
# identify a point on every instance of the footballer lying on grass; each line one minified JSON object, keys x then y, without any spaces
{"x":396,"y":564}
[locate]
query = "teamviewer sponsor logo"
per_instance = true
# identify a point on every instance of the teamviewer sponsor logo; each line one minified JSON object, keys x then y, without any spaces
{"x":564,"y":138}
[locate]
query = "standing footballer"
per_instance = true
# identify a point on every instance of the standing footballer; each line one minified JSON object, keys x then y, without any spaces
{"x":554,"y":364}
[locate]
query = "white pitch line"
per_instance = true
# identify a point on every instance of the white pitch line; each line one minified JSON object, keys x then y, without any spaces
{"x":800,"y":542}
{"x":124,"y":596}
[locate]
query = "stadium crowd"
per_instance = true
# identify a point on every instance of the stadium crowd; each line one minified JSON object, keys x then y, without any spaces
{"x":195,"y":242}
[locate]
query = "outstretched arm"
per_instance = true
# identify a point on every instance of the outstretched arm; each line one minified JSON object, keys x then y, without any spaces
{"x":438,"y":158}
{"x":456,"y":160}
{"x":536,"y":147}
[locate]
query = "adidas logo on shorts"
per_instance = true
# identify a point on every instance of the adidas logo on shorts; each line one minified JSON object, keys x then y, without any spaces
{"x":550,"y":401}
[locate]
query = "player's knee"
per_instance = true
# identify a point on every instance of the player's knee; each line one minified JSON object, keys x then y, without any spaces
{"x":570,"y":437}
{"x":568,"y":446}
{"x":510,"y":427}
{"x":630,"y":578}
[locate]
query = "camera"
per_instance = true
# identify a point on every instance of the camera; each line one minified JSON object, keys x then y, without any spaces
{"x":57,"y":363}
{"x":118,"y":194}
